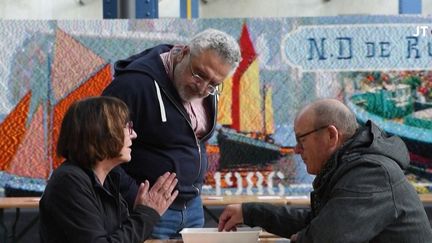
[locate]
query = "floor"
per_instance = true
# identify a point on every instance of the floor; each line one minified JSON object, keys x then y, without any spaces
{"x":92,"y":9}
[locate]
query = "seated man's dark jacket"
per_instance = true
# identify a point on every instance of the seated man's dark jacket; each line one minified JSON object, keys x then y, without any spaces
{"x":361,"y":195}
{"x":166,"y":140}
{"x":76,"y":208}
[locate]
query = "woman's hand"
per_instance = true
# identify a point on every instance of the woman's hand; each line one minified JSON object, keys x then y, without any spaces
{"x":161,"y":195}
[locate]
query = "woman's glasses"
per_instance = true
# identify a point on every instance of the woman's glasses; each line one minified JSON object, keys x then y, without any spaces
{"x":129,"y":126}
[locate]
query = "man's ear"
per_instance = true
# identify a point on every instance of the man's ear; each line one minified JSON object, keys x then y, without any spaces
{"x":334,"y":136}
{"x":186,"y":49}
{"x":183,"y":53}
{"x":180,"y":52}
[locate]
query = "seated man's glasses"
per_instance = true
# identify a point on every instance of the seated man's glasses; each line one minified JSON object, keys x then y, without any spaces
{"x":211,"y":89}
{"x":298,"y":137}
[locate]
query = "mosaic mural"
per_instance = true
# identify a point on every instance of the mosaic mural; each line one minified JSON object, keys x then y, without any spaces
{"x":379,"y":66}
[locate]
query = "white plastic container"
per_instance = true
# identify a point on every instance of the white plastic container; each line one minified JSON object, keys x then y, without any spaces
{"x":211,"y":235}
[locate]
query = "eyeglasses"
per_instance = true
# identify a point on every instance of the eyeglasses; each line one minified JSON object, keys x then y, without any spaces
{"x":129,"y":126}
{"x":298,"y":137}
{"x":211,"y":89}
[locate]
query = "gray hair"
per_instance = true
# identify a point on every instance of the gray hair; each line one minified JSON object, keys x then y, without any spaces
{"x":334,"y":112}
{"x":224,"y":45}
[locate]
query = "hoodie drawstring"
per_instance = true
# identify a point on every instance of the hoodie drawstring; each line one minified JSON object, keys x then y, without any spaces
{"x":161,"y":104}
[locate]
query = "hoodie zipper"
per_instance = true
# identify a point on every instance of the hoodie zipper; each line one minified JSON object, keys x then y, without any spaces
{"x":196,"y":139}
{"x":215,"y":118}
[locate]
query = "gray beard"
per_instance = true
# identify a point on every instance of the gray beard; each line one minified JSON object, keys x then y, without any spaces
{"x":184,"y":95}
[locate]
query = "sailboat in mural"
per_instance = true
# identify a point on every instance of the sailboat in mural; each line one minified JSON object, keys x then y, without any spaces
{"x":48,"y":77}
{"x":246,"y":114}
{"x":396,"y":110}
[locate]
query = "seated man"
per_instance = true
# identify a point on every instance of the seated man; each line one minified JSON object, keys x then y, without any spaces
{"x":360,"y":191}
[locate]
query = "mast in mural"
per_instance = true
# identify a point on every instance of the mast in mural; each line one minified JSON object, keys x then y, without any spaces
{"x":246,"y":114}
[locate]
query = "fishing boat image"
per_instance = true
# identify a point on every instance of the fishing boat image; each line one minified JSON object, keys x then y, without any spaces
{"x":395,"y":109}
{"x":246,"y":114}
{"x":46,"y":79}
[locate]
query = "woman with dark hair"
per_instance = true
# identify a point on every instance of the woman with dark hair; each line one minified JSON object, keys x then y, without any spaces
{"x":81,"y":202}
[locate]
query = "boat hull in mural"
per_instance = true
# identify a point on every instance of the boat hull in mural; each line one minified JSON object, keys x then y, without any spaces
{"x":417,"y":139}
{"x":240,"y":150}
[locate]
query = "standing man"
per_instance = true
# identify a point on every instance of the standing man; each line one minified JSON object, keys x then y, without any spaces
{"x":360,"y":191}
{"x":171,"y":91}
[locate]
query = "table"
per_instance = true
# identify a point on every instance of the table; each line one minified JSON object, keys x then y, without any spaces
{"x":17,"y":203}
{"x":265,"y":240}
{"x":33,"y":202}
{"x":295,"y":201}
{"x":426,"y":198}
{"x":226,"y":200}
{"x":264,"y":237}
{"x":278,"y":200}
{"x":209,"y":201}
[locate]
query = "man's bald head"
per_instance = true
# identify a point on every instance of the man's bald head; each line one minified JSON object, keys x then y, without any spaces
{"x":330,"y":112}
